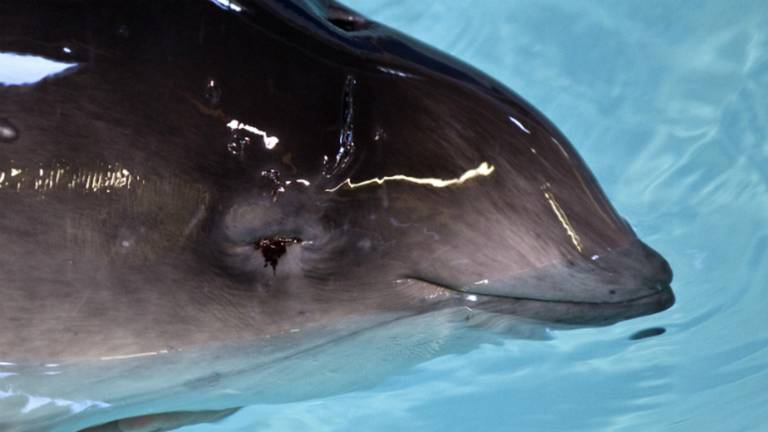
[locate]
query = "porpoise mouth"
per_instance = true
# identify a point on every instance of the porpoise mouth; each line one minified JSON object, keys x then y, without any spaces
{"x":616,"y":285}
{"x":579,"y":313}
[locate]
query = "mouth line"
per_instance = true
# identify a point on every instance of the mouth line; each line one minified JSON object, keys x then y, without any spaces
{"x":478,"y":298}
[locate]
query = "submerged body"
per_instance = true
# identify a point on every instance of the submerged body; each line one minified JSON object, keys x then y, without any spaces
{"x":215,"y":201}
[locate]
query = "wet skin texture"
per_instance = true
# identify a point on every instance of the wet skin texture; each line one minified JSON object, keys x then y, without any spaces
{"x":202,"y":175}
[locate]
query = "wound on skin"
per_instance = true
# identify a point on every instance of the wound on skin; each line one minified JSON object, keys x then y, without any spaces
{"x":273,"y":248}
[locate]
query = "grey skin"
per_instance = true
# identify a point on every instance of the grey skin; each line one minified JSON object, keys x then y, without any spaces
{"x":142,"y":208}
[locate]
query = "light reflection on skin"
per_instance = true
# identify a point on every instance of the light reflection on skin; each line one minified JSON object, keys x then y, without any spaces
{"x":228,"y":5}
{"x":583,"y":185}
{"x":393,"y":71}
{"x":111,"y":178}
{"x":130,"y":356}
{"x":563,"y":218}
{"x":483,"y":170}
{"x":269,"y":141}
{"x":28,"y":69}
{"x":519,"y":124}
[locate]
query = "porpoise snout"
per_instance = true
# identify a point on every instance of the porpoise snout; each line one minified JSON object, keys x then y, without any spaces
{"x":598,"y":290}
{"x":618,"y":275}
{"x":637,"y":270}
{"x":659,"y":270}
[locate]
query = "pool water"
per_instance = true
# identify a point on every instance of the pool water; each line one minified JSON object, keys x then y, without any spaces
{"x":668,"y":104}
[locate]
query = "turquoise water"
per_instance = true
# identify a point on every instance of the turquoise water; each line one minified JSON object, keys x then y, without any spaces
{"x":668,"y":103}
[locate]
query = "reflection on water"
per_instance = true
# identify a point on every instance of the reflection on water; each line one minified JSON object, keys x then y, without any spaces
{"x":667,"y":104}
{"x":26,"y":403}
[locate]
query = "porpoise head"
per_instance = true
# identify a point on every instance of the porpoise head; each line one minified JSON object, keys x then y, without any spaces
{"x":432,"y":172}
{"x":238,"y":186}
{"x":227,"y":169}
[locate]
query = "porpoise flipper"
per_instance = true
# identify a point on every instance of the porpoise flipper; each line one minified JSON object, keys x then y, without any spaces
{"x":162,"y":422}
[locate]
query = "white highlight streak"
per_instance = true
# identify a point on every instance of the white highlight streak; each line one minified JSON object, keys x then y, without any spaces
{"x":520,"y":125}
{"x":228,"y":5}
{"x":484,"y":169}
{"x":269,"y":141}
{"x":130,"y":356}
{"x":28,"y":69}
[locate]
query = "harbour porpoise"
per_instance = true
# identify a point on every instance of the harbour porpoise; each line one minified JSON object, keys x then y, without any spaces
{"x":208,"y":204}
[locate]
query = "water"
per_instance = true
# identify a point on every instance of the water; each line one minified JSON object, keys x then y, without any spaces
{"x":668,"y":104}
